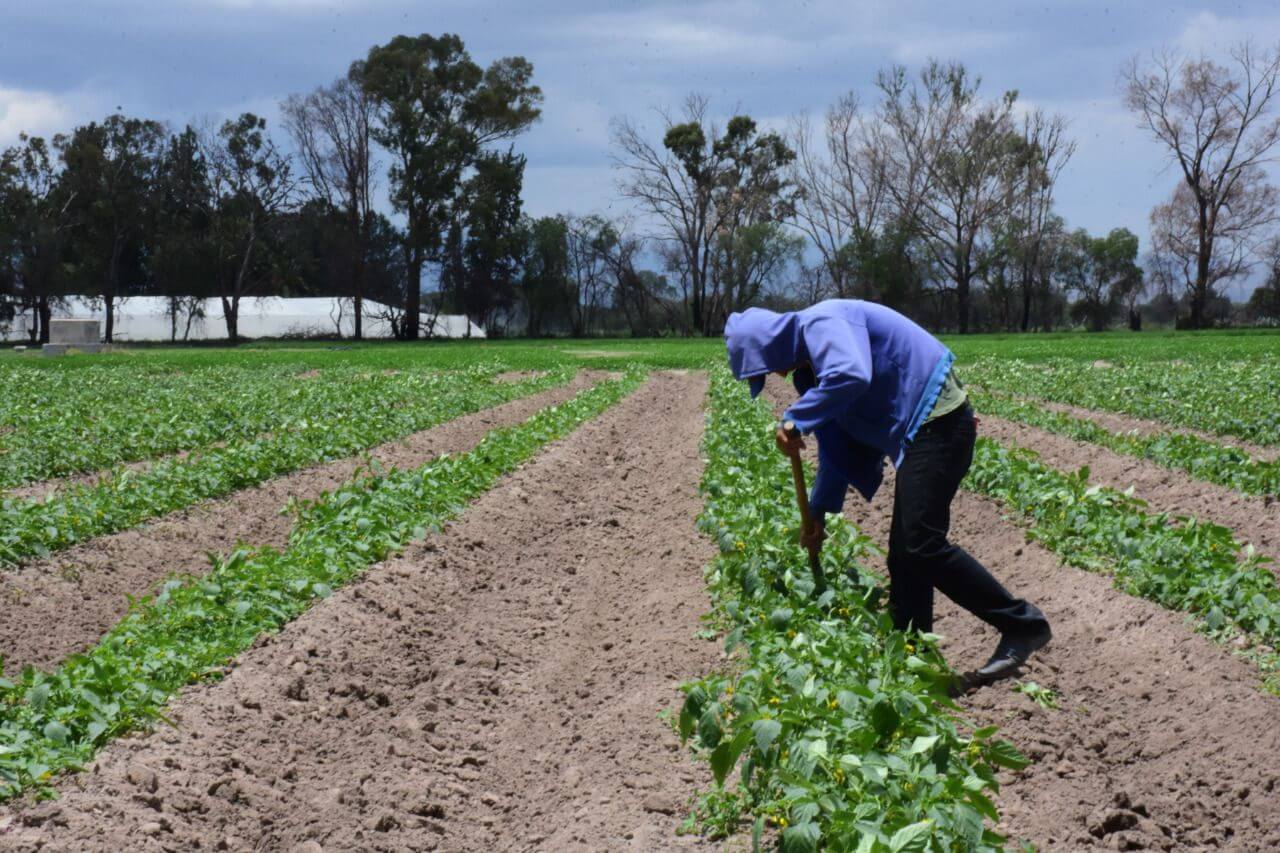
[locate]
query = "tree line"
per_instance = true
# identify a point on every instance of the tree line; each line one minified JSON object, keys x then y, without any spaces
{"x":931,"y":197}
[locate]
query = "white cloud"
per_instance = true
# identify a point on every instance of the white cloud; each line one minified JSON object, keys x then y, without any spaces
{"x":33,"y":112}
{"x":1214,"y":34}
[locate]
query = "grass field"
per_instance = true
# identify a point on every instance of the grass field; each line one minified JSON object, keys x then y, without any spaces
{"x":332,"y":596}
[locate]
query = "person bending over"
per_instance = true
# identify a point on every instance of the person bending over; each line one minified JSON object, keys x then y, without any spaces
{"x":872,"y":385}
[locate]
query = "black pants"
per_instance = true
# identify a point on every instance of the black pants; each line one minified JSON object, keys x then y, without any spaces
{"x":920,"y":556}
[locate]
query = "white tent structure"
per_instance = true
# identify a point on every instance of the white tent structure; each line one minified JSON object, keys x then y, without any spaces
{"x":147,"y":318}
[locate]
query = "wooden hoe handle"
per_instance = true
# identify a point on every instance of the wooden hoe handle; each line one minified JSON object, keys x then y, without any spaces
{"x":806,"y":519}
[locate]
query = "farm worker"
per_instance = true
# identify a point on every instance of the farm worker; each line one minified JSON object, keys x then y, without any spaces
{"x":873,"y":384}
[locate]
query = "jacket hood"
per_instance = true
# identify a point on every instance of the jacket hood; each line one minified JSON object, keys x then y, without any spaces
{"x":761,"y":341}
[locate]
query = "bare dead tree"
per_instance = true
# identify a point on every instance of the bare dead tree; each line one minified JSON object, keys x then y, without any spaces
{"x":843,"y":196}
{"x":1218,"y":124}
{"x":952,"y":166}
{"x":1047,"y":152}
{"x":331,"y":130}
{"x":1239,"y":226}
{"x":680,"y":201}
{"x":589,"y":242}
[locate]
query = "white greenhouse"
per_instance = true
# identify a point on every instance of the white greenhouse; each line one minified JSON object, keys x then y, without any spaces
{"x":147,"y":318}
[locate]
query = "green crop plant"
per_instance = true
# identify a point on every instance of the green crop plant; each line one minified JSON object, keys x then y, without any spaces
{"x":1042,"y":696}
{"x":55,"y":722}
{"x":76,"y":422}
{"x":1227,"y":397}
{"x":1202,"y":459}
{"x":842,"y":727}
{"x":33,"y":527}
{"x":1180,"y":563}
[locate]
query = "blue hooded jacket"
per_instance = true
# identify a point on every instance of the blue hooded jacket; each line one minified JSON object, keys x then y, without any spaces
{"x":875,"y":378}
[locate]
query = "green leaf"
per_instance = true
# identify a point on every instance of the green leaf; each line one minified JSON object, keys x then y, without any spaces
{"x":1005,"y":754}
{"x":913,"y":837}
{"x":884,"y":717}
{"x":56,"y":732}
{"x":766,"y":731}
{"x":922,"y":744}
{"x":800,"y":839}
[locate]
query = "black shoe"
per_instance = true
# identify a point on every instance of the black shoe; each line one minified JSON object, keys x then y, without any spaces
{"x":1012,"y":653}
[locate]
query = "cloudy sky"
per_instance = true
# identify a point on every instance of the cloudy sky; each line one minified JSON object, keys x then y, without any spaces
{"x":62,"y":63}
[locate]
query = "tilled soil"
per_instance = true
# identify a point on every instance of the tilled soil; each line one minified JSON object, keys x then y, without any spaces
{"x":60,"y":605}
{"x":1162,"y":739}
{"x":1254,"y":519}
{"x":496,"y":687}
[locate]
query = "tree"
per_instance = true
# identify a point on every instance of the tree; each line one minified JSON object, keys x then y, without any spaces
{"x":590,"y":240}
{"x":1218,"y":125}
{"x":331,"y":129}
{"x":436,"y":112}
{"x":703,"y":186}
{"x":253,"y":185}
{"x":1046,"y":153}
{"x":493,"y":247}
{"x":1104,"y":272}
{"x":843,"y":200}
{"x":1264,"y":302}
{"x":109,"y":170}
{"x":954,"y":165}
{"x":544,"y":272}
{"x":1177,"y":241}
{"x":180,"y":261}
{"x":35,"y":220}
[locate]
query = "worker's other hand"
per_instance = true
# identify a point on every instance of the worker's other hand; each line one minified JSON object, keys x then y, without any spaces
{"x":789,"y":443}
{"x":813,"y":537}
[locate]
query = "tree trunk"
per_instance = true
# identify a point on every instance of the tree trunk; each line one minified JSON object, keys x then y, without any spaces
{"x":109,"y":301}
{"x":962,"y":302}
{"x":357,"y":233}
{"x":231,"y":314}
{"x":45,"y":314}
{"x":1204,"y":253}
{"x":413,"y":298}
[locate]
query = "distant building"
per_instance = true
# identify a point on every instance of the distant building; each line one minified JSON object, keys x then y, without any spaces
{"x":147,"y":318}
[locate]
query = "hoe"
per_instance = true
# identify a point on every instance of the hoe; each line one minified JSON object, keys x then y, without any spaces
{"x":806,"y":520}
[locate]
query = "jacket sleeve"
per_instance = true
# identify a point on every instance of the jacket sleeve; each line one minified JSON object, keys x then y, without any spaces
{"x":832,"y":481}
{"x":841,"y":357}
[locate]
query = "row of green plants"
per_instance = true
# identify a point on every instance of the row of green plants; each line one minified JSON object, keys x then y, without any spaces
{"x":55,"y":722}
{"x":1183,"y":564}
{"x":34,"y":527}
{"x":841,"y":728}
{"x":64,"y":423}
{"x":1227,"y":397}
{"x":1202,"y":459}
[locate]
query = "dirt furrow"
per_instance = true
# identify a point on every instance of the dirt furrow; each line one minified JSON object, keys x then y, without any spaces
{"x":495,"y":687}
{"x":57,"y":606}
{"x":1254,"y":519}
{"x":1162,"y":739}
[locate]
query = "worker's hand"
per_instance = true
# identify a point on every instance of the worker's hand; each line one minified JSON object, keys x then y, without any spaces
{"x":813,"y":538}
{"x":789,"y":443}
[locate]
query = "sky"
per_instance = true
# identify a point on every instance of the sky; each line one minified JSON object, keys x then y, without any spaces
{"x":65,"y":63}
